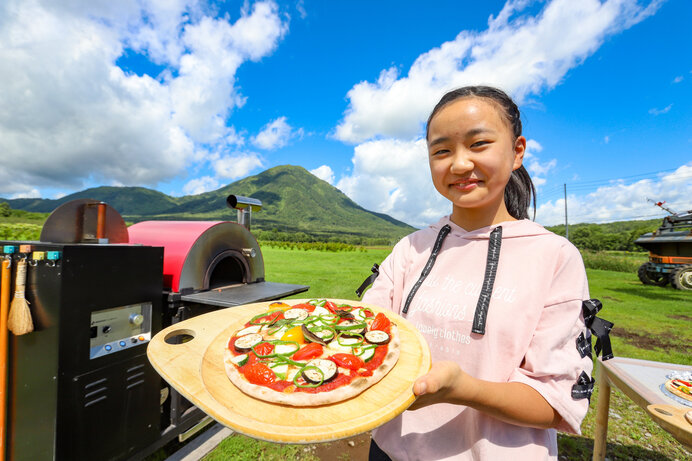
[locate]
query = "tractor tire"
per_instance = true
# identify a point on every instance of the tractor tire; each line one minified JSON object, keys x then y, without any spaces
{"x":681,"y":278}
{"x":650,"y":277}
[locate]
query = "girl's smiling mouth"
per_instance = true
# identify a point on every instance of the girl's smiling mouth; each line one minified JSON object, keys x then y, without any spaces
{"x":466,"y":185}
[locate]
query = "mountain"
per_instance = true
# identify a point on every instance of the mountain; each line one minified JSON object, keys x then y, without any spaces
{"x":293,"y":200}
{"x":136,"y":200}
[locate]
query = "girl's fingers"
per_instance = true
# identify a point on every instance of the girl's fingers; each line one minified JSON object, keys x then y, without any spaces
{"x":440,"y":376}
{"x":420,"y":387}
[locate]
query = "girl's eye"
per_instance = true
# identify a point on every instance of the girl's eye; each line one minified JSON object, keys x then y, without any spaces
{"x":440,"y":152}
{"x":479,"y":143}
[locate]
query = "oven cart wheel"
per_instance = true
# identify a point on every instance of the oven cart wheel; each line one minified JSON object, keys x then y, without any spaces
{"x":681,"y":277}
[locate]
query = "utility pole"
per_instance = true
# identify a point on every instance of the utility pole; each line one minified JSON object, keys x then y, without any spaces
{"x":566,"y":224}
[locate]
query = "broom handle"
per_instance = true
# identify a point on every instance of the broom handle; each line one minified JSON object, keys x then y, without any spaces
{"x":4,"y":310}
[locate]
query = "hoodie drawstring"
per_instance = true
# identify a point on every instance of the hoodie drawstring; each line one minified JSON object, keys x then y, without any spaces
{"x":428,"y":266}
{"x":479,"y":317}
{"x":491,"y":263}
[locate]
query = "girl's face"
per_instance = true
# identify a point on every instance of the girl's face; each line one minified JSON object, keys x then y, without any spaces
{"x":472,"y":154}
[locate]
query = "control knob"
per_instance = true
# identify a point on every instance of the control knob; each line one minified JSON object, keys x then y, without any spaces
{"x":136,"y":319}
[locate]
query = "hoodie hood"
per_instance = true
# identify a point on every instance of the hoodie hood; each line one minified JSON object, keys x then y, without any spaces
{"x":510,"y":229}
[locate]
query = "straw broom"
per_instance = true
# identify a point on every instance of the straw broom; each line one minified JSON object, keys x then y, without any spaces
{"x":4,"y":307}
{"x":19,"y":321}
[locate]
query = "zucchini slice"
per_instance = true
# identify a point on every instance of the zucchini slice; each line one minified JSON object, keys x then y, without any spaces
{"x":296,"y":314}
{"x":326,"y":370}
{"x":249,"y":330}
{"x":280,"y":370}
{"x":239,"y":360}
{"x":245,"y":343}
{"x":377,"y":337}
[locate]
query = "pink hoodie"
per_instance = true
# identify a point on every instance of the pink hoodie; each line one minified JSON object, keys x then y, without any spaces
{"x":533,"y":321}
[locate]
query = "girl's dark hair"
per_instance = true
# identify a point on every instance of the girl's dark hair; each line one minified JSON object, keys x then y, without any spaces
{"x":520,"y":192}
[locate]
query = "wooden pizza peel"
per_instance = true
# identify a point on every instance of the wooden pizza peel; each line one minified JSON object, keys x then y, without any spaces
{"x":196,"y":370}
{"x":676,"y":420}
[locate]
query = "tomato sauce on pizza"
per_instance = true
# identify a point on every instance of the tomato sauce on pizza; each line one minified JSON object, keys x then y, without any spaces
{"x":311,"y":353}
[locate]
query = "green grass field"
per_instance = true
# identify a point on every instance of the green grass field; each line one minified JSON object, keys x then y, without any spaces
{"x":651,"y":323}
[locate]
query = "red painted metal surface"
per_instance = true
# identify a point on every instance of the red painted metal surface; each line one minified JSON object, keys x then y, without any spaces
{"x":177,"y":239}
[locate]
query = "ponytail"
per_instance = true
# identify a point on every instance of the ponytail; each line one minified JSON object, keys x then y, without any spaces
{"x":518,"y":194}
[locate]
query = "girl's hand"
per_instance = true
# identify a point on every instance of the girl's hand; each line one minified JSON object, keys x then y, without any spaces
{"x":512,"y":402}
{"x":443,"y":383}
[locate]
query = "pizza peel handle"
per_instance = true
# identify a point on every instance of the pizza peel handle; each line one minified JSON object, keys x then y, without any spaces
{"x":675,"y":420}
{"x":195,"y":368}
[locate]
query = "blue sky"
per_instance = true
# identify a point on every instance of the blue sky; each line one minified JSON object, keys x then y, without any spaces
{"x":187,"y":96}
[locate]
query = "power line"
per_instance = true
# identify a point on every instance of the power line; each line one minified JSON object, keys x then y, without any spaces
{"x":556,"y":192}
{"x":623,"y":218}
{"x":610,"y":180}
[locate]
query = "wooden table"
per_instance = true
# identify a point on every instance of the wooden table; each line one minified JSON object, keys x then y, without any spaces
{"x":640,"y":380}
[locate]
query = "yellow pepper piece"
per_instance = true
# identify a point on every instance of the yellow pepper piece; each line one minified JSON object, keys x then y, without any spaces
{"x":294,"y":334}
{"x":279,"y":305}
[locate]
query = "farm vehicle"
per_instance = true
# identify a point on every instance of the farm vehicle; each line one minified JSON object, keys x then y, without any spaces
{"x":670,"y":252}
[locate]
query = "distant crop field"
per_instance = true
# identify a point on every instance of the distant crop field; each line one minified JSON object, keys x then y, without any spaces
{"x":20,"y":231}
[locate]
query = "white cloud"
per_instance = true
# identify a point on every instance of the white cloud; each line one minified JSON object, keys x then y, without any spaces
{"x":325,"y":173}
{"x":533,"y":164}
{"x":606,"y":139}
{"x":622,"y":201}
{"x":200,"y":185}
{"x":392,"y":176}
{"x":523,"y":55}
{"x":300,"y":6}
{"x":656,"y":111}
{"x":79,"y":117}
{"x":29,"y":192}
{"x":678,"y":79}
{"x":275,"y":134}
{"x":237,"y":165}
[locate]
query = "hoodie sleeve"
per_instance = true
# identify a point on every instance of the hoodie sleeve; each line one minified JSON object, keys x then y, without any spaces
{"x":387,"y":289}
{"x":552,"y":363}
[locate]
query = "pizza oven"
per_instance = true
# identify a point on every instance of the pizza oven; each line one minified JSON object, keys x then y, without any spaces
{"x":80,"y":385}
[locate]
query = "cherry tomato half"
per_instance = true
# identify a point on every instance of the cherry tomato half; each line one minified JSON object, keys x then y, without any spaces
{"x":268,"y":318}
{"x":311,"y":351}
{"x":381,"y":322}
{"x":330,"y":306}
{"x":259,"y":373}
{"x":349,"y":361}
{"x":307,"y":306}
{"x":263,"y":349}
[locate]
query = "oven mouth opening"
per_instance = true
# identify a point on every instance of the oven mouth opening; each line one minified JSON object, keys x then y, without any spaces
{"x":226,"y":269}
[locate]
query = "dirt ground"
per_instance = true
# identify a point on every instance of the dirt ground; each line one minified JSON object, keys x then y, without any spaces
{"x":648,"y":341}
{"x":351,"y":449}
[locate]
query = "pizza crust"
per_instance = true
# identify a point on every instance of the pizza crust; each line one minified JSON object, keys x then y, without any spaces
{"x":670,"y":388}
{"x":306,"y":399}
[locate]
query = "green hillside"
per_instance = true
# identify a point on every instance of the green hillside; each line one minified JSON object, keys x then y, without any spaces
{"x":294,"y":201}
{"x":136,"y":200}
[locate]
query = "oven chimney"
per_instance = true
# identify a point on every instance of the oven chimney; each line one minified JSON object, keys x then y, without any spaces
{"x":245,"y":207}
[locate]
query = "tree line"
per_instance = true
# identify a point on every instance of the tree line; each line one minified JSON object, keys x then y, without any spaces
{"x":618,"y":236}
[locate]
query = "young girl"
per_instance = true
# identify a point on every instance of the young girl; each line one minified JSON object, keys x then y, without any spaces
{"x":497,"y":297}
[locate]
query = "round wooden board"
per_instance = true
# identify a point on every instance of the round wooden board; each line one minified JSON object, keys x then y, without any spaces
{"x":196,"y":370}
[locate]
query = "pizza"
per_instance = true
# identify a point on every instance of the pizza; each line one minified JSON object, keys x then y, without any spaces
{"x":311,"y":354}
{"x":680,"y":388}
